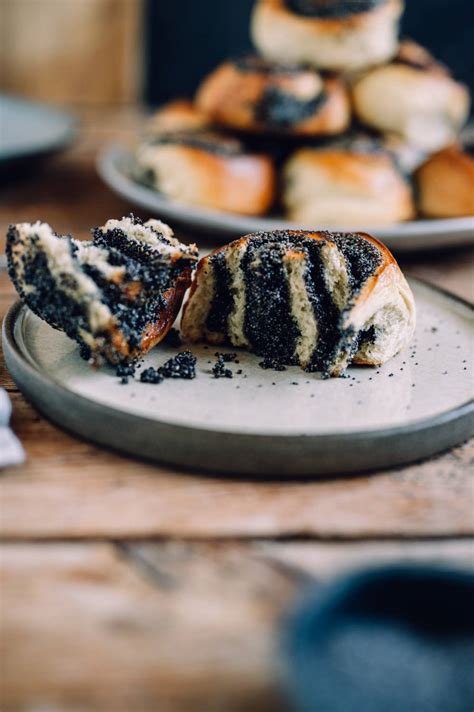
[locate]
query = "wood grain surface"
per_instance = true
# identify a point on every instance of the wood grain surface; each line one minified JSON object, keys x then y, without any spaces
{"x":129,"y":586}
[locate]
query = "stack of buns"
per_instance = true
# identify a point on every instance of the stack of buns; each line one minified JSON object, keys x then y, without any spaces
{"x":333,"y":121}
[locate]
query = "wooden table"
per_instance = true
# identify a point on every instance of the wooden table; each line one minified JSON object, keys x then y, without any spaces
{"x":128,"y":586}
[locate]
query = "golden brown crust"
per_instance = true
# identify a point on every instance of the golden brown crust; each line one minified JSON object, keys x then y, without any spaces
{"x":446,"y":184}
{"x":156,"y":330}
{"x":173,"y":299}
{"x":232,"y":97}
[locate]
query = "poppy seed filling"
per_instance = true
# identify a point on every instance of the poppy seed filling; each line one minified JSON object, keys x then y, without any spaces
{"x":281,"y":109}
{"x":286,"y":296}
{"x":331,"y":8}
{"x":268,"y":325}
{"x":104,"y":293}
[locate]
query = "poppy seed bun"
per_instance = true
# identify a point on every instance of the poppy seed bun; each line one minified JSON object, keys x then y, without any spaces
{"x":414,"y":97}
{"x":335,"y":35}
{"x":252,"y":94}
{"x":208,"y":170}
{"x":445,"y":184}
{"x":318,"y":299}
{"x":345,"y":185}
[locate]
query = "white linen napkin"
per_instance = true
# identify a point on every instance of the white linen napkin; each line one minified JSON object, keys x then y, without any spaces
{"x":11,"y":451}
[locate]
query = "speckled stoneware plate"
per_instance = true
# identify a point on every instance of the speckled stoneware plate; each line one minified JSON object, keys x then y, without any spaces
{"x":260,"y":421}
{"x":114,"y":166}
{"x":30,"y":128}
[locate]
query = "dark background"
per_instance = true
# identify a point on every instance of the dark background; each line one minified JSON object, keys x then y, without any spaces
{"x":185,"y":39}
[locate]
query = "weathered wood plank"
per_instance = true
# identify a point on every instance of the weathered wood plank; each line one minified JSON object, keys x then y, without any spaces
{"x":90,"y":629}
{"x":322,"y":560}
{"x":168,"y":626}
{"x":69,"y":488}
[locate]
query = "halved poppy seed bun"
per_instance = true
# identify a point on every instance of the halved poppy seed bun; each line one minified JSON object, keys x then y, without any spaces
{"x":339,"y":35}
{"x":318,"y":299}
{"x":347,"y":182}
{"x":256,"y":95}
{"x":116,"y":295}
{"x":209,"y":170}
{"x":413,"y":96}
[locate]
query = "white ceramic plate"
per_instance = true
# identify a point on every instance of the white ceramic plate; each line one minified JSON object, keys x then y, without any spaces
{"x":28,"y":128}
{"x":114,"y":166}
{"x":261,"y":421}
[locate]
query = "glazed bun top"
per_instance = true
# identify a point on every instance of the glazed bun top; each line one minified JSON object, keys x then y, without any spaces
{"x":326,"y":9}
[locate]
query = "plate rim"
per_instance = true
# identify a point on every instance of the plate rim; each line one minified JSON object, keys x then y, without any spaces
{"x":461,"y":415}
{"x":63,"y":139}
{"x":201,"y":218}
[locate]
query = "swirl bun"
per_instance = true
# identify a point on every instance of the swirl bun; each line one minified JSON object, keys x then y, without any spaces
{"x":349,"y":182}
{"x":415,"y":97}
{"x":252,"y":94}
{"x":328,"y":34}
{"x":209,"y":170}
{"x":318,"y":299}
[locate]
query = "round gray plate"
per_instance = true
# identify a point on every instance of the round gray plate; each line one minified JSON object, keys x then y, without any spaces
{"x":114,"y":167}
{"x":263,"y":422}
{"x":29,"y":128}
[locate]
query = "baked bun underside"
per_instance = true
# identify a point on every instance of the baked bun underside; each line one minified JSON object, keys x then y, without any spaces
{"x":319,"y":300}
{"x":116,"y":295}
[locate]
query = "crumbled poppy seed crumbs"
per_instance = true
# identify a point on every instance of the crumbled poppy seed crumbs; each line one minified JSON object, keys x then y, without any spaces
{"x":272,"y":363}
{"x":219,"y":370}
{"x":125,"y":369}
{"x":151,"y":375}
{"x":183,"y":365}
{"x":227,"y":358}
